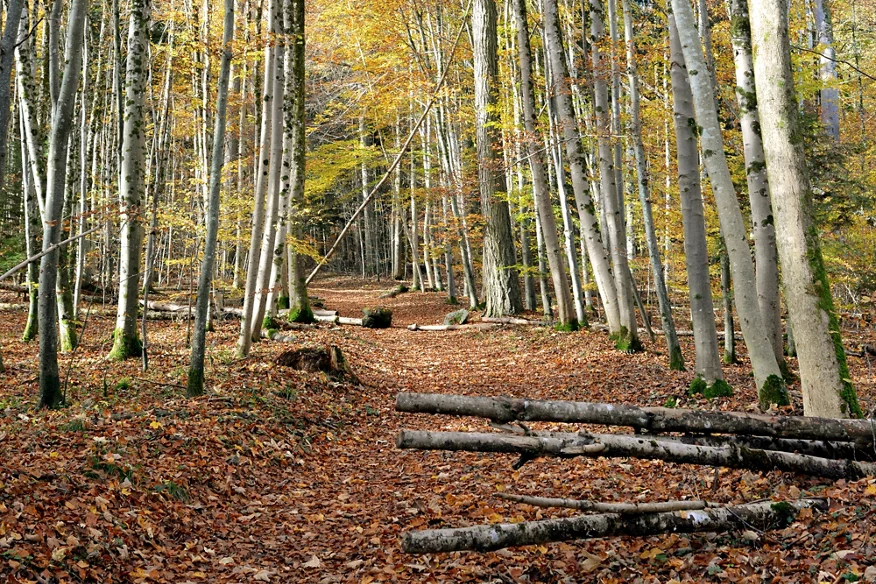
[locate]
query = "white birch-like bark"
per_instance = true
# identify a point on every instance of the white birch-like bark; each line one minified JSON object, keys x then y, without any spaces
{"x":195,"y":385}
{"x":827,"y":69}
{"x":244,"y":340}
{"x":627,"y":336}
{"x":274,"y":186}
{"x":676,"y":360}
{"x":547,"y":224}
{"x":62,"y":119}
{"x":133,"y":182}
{"x":575,"y":157}
{"x":824,"y":375}
{"x":767,"y":374}
{"x":762,"y":225}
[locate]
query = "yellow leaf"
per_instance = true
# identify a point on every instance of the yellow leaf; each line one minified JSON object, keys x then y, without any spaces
{"x":155,"y":425}
{"x":870,"y":490}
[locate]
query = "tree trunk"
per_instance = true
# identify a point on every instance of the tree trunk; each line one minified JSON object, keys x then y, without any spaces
{"x":762,"y":224}
{"x":133,"y":180}
{"x":627,"y":336}
{"x":540,"y":192}
{"x":575,"y":157}
{"x":294,"y":116}
{"x":702,"y":309}
{"x":504,"y":409}
{"x":501,"y":285}
{"x":497,"y":536}
{"x":825,"y":379}
{"x":639,"y":447}
{"x":195,"y":385}
{"x":244,"y":341}
{"x":676,"y":359}
{"x":830,"y":116}
{"x":62,"y":119}
{"x":275,"y":168}
{"x":768,"y":376}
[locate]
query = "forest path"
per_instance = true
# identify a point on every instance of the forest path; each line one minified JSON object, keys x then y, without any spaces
{"x":283,"y":476}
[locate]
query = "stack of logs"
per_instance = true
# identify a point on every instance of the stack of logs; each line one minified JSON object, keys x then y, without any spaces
{"x":836,"y":449}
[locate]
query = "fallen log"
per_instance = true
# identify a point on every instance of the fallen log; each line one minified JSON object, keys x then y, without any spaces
{"x":819,"y":448}
{"x":512,"y":320}
{"x":652,"y":419}
{"x":347,"y":320}
{"x":620,"y":508}
{"x":323,"y":312}
{"x":487,"y":326}
{"x":764,"y":516}
{"x":641,"y":447}
{"x":326,"y":318}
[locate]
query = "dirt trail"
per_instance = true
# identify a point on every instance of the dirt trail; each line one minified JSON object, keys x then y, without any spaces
{"x":282,"y":476}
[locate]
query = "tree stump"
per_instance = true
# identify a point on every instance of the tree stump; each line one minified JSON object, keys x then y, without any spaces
{"x":376,"y":318}
{"x":330,"y":361}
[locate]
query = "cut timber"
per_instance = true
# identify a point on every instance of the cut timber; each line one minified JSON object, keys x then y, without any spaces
{"x":504,"y":409}
{"x":325,"y":317}
{"x":621,"y":508}
{"x":766,"y":515}
{"x":487,"y":326}
{"x":352,"y":321}
{"x":819,"y":448}
{"x":322,"y":312}
{"x":642,"y":447}
{"x":512,"y":320}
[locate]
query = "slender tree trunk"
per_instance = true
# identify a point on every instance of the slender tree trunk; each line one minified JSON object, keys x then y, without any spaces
{"x":7,"y":53}
{"x":62,"y":119}
{"x":599,"y":258}
{"x":702,"y":309}
{"x":824,"y":375}
{"x":729,"y":324}
{"x":274,"y":179}
{"x":195,"y":384}
{"x":627,"y":336}
{"x":294,"y":116}
{"x":762,"y":224}
{"x":126,"y":339}
{"x":31,"y":235}
{"x":676,"y":360}
{"x":827,"y":69}
{"x":546,"y":223}
{"x":244,"y":341}
{"x":767,"y":374}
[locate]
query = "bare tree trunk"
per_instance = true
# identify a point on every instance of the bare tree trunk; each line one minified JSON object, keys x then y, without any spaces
{"x":768,"y":376}
{"x":575,"y":157}
{"x":676,"y":360}
{"x":702,"y":310}
{"x":827,"y":69}
{"x":626,"y":337}
{"x":762,"y":225}
{"x":195,"y":385}
{"x":294,"y":116}
{"x":133,"y":181}
{"x":824,"y":375}
{"x":244,"y":341}
{"x":62,"y":118}
{"x":546,"y":223}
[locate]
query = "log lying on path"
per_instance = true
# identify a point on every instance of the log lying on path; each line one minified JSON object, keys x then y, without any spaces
{"x":653,"y":419}
{"x":621,"y":508}
{"x":642,"y":447}
{"x":764,"y":516}
{"x":487,"y":326}
{"x":512,"y":320}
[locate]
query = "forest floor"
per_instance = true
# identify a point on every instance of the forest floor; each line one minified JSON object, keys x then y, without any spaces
{"x":282,"y":476}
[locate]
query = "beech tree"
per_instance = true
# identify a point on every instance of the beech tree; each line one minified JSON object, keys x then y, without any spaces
{"x":132,"y":182}
{"x":824,"y":374}
{"x":768,"y":376}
